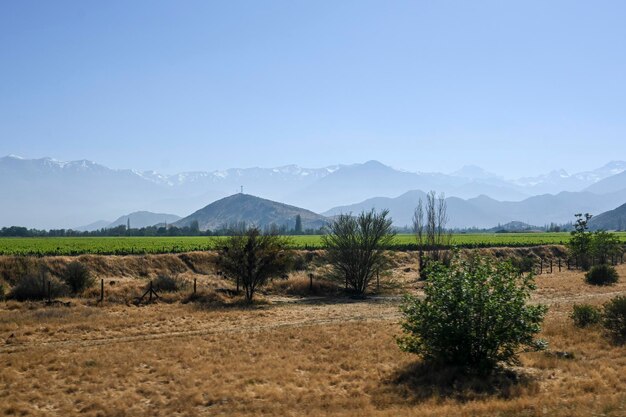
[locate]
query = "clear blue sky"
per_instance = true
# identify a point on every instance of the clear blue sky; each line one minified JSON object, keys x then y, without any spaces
{"x":516,"y":87}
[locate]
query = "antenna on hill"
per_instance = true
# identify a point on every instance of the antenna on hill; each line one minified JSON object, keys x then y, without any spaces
{"x":241,"y":192}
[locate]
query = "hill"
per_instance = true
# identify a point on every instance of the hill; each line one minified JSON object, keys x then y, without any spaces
{"x":141,"y":219}
{"x":252,"y":210}
{"x":610,"y":220}
{"x":485,"y":212}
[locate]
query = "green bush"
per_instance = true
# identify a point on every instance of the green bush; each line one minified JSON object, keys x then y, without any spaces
{"x":585,"y":315}
{"x":168,"y":283}
{"x":475,"y":314}
{"x":77,"y":277}
{"x":601,"y":275}
{"x":615,"y":318}
{"x":35,"y":287}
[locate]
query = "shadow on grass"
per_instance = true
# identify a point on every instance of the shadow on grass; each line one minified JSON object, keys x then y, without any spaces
{"x":421,"y":381}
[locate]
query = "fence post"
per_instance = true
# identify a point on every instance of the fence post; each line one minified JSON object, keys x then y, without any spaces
{"x":540,"y":266}
{"x":101,"y":290}
{"x":150,"y":292}
{"x":559,"y":264}
{"x":550,"y":265}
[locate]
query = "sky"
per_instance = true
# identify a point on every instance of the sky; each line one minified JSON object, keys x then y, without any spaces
{"x":517,"y":87}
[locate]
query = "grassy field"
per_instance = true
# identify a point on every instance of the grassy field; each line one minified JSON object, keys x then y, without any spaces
{"x":288,"y":357}
{"x":147,"y":245}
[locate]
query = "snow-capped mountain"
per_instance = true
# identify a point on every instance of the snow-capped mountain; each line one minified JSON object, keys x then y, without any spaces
{"x":48,"y":193}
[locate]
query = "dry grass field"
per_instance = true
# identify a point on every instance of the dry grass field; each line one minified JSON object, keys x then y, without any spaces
{"x":286,"y":355}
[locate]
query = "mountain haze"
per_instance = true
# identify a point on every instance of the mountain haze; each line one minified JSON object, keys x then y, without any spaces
{"x":485,"y":212}
{"x":141,"y":219}
{"x":47,"y":193}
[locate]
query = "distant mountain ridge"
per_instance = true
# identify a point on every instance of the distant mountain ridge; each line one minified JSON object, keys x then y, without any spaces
{"x":610,"y":220}
{"x":252,"y":210}
{"x":485,"y":212}
{"x":47,"y":193}
{"x":141,"y":219}
{"x":137,"y":220}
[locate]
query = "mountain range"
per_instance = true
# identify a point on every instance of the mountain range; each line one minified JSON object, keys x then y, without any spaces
{"x":46,"y":193}
{"x":136,"y":220}
{"x":486,"y":212}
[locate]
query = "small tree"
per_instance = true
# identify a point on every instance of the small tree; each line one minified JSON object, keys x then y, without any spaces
{"x":604,"y":246}
{"x":252,"y":258}
{"x":298,"y":228}
{"x":580,"y":242}
{"x":429,"y":226}
{"x":356,"y":246}
{"x":475,"y":314}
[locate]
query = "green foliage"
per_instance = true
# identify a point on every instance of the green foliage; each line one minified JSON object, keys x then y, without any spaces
{"x":252,"y":258}
{"x":73,"y":246}
{"x":580,"y":242}
{"x":604,"y":246}
{"x":601,"y":275}
{"x":77,"y":277}
{"x":615,"y":318}
{"x":168,"y":283}
{"x":355,"y":247}
{"x":475,"y":314}
{"x":298,"y":228}
{"x":35,"y":287}
{"x":585,"y":315}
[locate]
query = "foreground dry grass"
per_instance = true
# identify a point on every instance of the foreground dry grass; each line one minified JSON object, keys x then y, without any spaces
{"x":289,"y":359}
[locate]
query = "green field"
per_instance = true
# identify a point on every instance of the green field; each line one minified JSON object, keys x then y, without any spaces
{"x":142,"y":245}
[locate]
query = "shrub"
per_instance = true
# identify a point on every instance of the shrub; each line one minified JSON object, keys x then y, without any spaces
{"x":35,"y":287}
{"x":77,"y":277}
{"x":251,"y":258}
{"x":300,"y":263}
{"x":601,"y":275}
{"x":615,"y":318}
{"x":356,"y":247}
{"x":585,"y":315}
{"x":524,"y":264}
{"x":168,"y":283}
{"x":475,"y":314}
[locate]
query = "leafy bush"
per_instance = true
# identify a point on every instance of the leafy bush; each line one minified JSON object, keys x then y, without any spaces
{"x":168,"y":283}
{"x":585,"y":315}
{"x":601,"y":275}
{"x":35,"y":287}
{"x":615,"y":318}
{"x":77,"y":277}
{"x":474,"y":315}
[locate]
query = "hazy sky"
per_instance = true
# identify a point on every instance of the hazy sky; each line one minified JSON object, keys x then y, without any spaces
{"x":516,"y":87}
